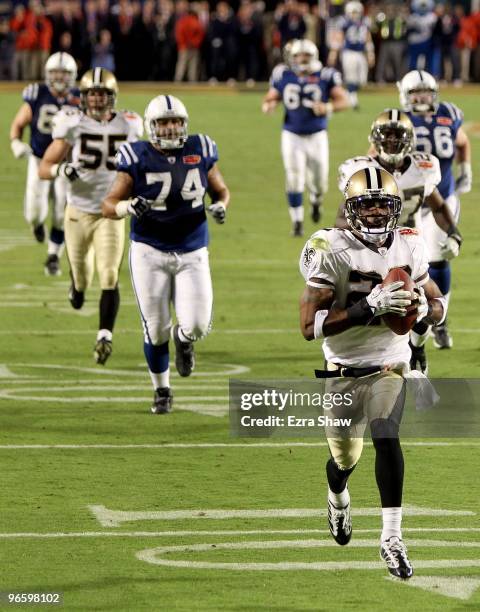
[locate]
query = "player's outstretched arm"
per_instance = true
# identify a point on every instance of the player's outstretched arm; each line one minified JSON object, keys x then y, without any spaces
{"x":219,"y":193}
{"x":51,"y":165}
{"x":118,"y":195}
{"x":19,"y":123}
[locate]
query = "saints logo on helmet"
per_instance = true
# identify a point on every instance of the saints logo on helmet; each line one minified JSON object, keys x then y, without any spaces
{"x":166,"y":122}
{"x":393,"y":136}
{"x":98,"y":92}
{"x":60,"y":72}
{"x":372,"y":204}
{"x":304,"y":56}
{"x":418,"y":92}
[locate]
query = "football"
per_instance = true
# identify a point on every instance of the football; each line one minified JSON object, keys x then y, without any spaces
{"x":400,"y":325}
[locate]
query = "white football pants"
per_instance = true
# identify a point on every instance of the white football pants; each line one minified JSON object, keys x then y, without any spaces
{"x":431,"y":233}
{"x":305,"y":159}
{"x":183,"y":279}
{"x":37,"y":194}
{"x":354,"y":67}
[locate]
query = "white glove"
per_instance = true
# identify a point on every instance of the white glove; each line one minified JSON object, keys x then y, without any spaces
{"x":136,"y":207}
{"x":422,"y":307}
{"x":449,"y":249}
{"x":68,"y":171}
{"x":463,"y":184}
{"x":20,"y":149}
{"x":218,"y":211}
{"x":389,"y":299}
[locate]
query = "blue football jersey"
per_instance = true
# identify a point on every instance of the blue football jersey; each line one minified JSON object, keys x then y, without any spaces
{"x":176,"y":182}
{"x":355,"y":34}
{"x":298,"y":95}
{"x":436,"y":134}
{"x":44,"y":105}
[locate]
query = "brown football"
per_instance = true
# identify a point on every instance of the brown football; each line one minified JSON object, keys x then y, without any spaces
{"x":400,"y":325}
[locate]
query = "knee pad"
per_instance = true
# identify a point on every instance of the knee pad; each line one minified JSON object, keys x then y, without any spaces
{"x":346,"y":452}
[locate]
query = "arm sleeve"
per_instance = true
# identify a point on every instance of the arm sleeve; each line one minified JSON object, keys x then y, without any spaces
{"x":30,"y":94}
{"x":209,"y":150}
{"x":125,"y":159}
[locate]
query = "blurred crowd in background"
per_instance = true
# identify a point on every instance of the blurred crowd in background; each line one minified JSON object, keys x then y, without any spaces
{"x":241,"y":40}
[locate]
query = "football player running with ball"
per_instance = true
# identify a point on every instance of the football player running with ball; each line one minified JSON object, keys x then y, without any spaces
{"x":310,"y":94}
{"x":342,"y":304}
{"x":417,"y":174}
{"x":161,"y":184}
{"x":40,"y":103}
{"x":439,"y":131}
{"x":92,"y":137}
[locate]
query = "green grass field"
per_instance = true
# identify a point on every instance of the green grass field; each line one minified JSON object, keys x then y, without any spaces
{"x":113,"y":506}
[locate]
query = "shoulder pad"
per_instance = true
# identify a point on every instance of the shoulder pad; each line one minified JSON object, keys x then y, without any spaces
{"x":30,"y":92}
{"x":208,"y":146}
{"x":278,"y":72}
{"x":451,"y":110}
{"x":425,"y":161}
{"x":319,"y":241}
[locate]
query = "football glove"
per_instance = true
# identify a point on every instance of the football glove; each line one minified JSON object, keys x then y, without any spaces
{"x":138,"y":206}
{"x":20,"y":149}
{"x":68,"y":171}
{"x":218,"y":211}
{"x":463,"y":184}
{"x":389,"y":299}
{"x":422,"y":304}
{"x":450,"y":248}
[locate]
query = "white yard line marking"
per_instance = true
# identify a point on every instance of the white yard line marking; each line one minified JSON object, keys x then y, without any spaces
{"x":201,"y":445}
{"x":114,"y":518}
{"x":228,"y":532}
{"x":153,"y":555}
{"x":457,"y":587}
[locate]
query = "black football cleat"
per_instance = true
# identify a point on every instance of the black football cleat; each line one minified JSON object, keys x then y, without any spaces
{"x":418,"y":360}
{"x":297,"y":229}
{"x":316,"y":213}
{"x":441,"y":338}
{"x":52,"y":266}
{"x":39,"y":232}
{"x":76,"y":297}
{"x":162,"y":401}
{"x":102,"y":351}
{"x":340,"y":523}
{"x":394,"y":552}
{"x":184,"y":354}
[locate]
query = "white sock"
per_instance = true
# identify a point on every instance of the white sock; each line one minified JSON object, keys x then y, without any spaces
{"x":339,"y":500}
{"x":296,"y":213}
{"x":104,"y":333}
{"x":392,"y":523}
{"x":160,"y":379}
{"x":55,"y":249}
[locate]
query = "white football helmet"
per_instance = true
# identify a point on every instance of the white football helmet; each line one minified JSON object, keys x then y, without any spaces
{"x":354,"y":10}
{"x":159,"y":110}
{"x":60,"y":72}
{"x":418,"y":92}
{"x":304,"y":56}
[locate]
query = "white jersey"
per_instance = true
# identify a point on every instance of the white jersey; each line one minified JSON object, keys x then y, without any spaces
{"x":416,"y":183}
{"x":336,"y":259}
{"x":94,"y":146}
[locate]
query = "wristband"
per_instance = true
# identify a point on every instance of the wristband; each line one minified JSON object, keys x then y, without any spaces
{"x":360,"y":313}
{"x":443,"y":301}
{"x":453,"y":232}
{"x":122,"y":208}
{"x":320,"y":317}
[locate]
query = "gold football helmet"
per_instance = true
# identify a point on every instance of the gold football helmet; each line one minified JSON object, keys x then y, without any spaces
{"x":372,"y":204}
{"x":393,"y":136}
{"x":98,"y":92}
